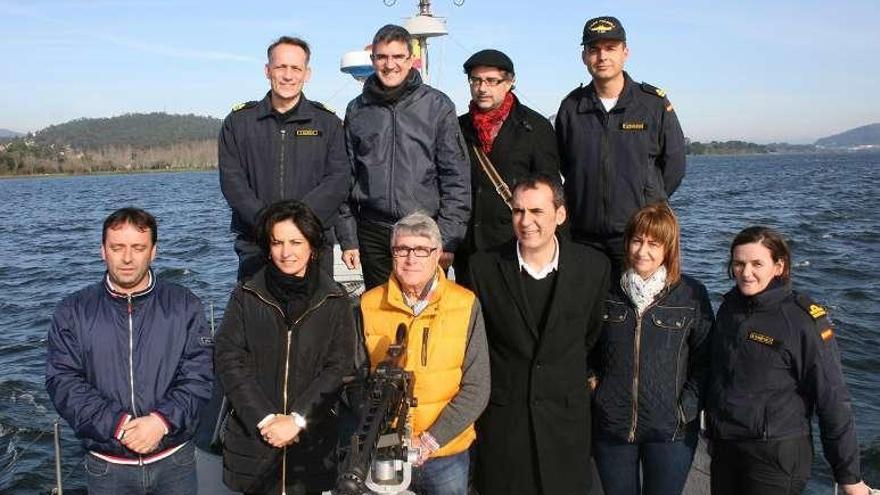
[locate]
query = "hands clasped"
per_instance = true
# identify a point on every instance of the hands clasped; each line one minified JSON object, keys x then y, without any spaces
{"x":143,"y":434}
{"x":280,"y":431}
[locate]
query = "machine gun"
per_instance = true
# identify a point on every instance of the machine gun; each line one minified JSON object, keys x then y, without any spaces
{"x":380,"y":457}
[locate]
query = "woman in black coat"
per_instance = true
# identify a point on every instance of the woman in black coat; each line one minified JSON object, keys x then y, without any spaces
{"x":775,"y":363}
{"x":286,"y":342}
{"x":650,"y":363}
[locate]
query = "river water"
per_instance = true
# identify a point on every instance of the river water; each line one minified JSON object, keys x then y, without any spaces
{"x":50,"y":235}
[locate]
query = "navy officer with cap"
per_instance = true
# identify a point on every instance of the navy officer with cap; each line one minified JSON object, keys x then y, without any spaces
{"x":620,"y":143}
{"x":515,"y":140}
{"x":281,"y":147}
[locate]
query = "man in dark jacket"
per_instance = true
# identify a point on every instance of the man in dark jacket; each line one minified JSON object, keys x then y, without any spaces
{"x":620,"y":143}
{"x":516,"y":141}
{"x":543,"y":307}
{"x":407,"y":154}
{"x":129,"y":365}
{"x":281,"y":147}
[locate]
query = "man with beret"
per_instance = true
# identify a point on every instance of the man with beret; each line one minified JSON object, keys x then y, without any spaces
{"x":514,"y":139}
{"x":620,"y":143}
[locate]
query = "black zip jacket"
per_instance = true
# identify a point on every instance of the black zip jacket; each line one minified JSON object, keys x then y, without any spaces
{"x":257,"y":352}
{"x":262,"y":161}
{"x":616,"y":162}
{"x":406,"y":156}
{"x":652,"y":370}
{"x":774,"y":362}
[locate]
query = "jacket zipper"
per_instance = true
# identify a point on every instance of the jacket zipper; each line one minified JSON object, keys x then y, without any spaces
{"x":425,"y":332}
{"x":281,"y":165}
{"x":287,"y":369}
{"x":391,"y":166}
{"x":635,"y":386}
{"x":603,"y":178}
{"x":131,"y":363}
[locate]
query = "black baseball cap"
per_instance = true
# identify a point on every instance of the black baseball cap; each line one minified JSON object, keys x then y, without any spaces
{"x":603,"y":28}
{"x":489,"y":58}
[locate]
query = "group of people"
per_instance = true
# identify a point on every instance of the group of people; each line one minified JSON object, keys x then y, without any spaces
{"x":568,"y":333}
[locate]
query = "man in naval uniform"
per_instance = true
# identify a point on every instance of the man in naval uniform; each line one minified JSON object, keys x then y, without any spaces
{"x":620,"y":143}
{"x":281,"y":147}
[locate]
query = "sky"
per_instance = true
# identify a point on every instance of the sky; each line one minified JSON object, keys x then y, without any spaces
{"x":760,"y":71}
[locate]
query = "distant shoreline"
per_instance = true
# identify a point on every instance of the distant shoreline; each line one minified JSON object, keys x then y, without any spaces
{"x":107,"y":172}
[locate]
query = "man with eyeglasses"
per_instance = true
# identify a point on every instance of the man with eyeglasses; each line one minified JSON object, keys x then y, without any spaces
{"x":516,"y":140}
{"x":284,"y":146}
{"x":446,"y":351}
{"x":620,"y":143}
{"x":406,"y":154}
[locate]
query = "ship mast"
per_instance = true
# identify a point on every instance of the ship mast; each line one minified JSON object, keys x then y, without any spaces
{"x":421,"y":26}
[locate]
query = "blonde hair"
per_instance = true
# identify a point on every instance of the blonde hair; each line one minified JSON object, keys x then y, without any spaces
{"x":658,"y":222}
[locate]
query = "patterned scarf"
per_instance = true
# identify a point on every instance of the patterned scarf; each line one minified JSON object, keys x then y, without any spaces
{"x":642,"y":292}
{"x":488,"y":123}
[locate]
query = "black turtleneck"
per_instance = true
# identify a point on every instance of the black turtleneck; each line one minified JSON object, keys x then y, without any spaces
{"x":291,"y":291}
{"x":376,"y":92}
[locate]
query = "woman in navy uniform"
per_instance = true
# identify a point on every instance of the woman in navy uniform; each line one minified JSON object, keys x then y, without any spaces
{"x":651,"y":363}
{"x":774,"y":362}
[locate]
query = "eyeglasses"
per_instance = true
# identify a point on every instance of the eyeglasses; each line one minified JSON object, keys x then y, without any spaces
{"x":418,"y":251}
{"x":398,"y":58}
{"x":489,"y":81}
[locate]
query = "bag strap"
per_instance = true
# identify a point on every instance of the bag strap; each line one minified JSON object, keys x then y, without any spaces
{"x":494,"y":177}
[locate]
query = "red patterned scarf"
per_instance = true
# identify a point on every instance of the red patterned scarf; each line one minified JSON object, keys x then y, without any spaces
{"x":488,"y":123}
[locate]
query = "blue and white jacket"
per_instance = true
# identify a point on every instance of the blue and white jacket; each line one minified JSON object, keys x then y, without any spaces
{"x":113,"y":357}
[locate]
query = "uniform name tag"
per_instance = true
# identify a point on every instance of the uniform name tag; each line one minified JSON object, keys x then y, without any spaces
{"x":633,"y":126}
{"x":764,"y":339}
{"x":308,"y":132}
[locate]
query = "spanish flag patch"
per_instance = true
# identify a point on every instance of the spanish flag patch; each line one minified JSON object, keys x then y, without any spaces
{"x":827,"y":334}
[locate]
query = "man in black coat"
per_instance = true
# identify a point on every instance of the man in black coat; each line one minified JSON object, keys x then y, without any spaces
{"x":517,"y":141}
{"x":542,"y":298}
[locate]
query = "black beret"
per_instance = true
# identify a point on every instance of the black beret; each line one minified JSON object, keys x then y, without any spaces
{"x":489,"y":58}
{"x":603,"y":28}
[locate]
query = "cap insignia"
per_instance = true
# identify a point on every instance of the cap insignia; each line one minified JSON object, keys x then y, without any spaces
{"x":602,"y":26}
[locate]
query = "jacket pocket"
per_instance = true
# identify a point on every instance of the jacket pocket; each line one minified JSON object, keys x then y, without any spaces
{"x":615,"y":312}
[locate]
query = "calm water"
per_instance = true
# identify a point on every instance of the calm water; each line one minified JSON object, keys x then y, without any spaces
{"x":50,"y":239}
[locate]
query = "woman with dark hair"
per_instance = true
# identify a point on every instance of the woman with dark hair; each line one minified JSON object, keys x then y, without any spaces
{"x":286,"y":342}
{"x":650,"y":363}
{"x":774,"y":362}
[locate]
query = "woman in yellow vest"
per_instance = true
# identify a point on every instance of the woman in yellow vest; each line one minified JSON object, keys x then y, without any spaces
{"x":446,"y":352}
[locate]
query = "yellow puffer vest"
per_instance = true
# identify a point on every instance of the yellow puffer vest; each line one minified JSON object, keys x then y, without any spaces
{"x":436,"y":342}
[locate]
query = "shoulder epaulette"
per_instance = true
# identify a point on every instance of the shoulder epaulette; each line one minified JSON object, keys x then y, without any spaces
{"x":654,"y":90}
{"x":242,"y":106}
{"x":816,"y":312}
{"x":322,"y":106}
{"x":807,"y":304}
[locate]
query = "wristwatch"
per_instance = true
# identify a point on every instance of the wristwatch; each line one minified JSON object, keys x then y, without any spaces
{"x":298,"y":420}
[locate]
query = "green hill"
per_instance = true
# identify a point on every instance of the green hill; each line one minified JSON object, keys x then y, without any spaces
{"x":864,"y":136}
{"x":140,"y":130}
{"x":127,"y":143}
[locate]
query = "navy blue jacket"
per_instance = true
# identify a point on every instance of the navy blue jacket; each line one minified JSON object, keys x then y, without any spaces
{"x":652,"y":370}
{"x":616,"y":162}
{"x":774,"y":363}
{"x":112,"y":356}
{"x":262,"y":161}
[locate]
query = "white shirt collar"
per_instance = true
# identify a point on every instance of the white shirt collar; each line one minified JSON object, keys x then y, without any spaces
{"x":547,"y":269}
